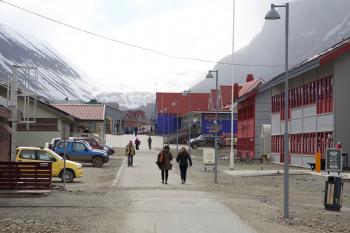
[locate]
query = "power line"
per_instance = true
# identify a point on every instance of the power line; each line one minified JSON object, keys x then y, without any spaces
{"x":133,"y":45}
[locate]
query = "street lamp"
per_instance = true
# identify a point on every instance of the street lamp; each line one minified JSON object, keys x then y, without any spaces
{"x":210,"y":75}
{"x":188,"y":93}
{"x":273,"y":15}
{"x":177,"y":124}
{"x":167,"y":115}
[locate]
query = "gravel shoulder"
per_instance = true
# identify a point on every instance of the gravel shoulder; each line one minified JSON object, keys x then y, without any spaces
{"x":259,"y":200}
{"x":89,"y":204}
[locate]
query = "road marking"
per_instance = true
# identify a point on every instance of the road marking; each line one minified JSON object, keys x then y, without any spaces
{"x":117,"y":177}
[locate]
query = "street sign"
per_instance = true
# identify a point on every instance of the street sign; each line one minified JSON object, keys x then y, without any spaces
{"x":208,"y":158}
{"x":334,"y":161}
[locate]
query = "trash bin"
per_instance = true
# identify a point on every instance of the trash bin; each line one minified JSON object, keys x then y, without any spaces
{"x":333,"y":196}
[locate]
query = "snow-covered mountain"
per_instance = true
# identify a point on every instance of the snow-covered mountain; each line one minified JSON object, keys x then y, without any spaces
{"x":57,"y":77}
{"x":128,"y":100}
{"x":315,"y":25}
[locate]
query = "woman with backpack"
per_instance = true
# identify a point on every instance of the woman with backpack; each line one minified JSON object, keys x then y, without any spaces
{"x":164,"y":163}
{"x":183,"y":159}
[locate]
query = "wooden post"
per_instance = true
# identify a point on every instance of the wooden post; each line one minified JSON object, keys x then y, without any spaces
{"x":318,"y":162}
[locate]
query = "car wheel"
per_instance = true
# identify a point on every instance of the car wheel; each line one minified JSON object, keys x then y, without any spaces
{"x":69,"y":176}
{"x":97,"y":162}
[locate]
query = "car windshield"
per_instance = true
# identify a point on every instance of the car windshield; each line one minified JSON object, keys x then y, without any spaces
{"x":87,"y":145}
{"x":56,"y":155}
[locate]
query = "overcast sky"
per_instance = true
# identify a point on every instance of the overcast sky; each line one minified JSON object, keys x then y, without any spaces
{"x":186,"y":28}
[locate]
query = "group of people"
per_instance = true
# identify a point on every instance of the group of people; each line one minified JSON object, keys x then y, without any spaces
{"x":164,"y":163}
{"x":164,"y":159}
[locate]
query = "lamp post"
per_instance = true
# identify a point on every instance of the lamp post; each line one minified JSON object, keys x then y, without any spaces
{"x":273,"y":15}
{"x":210,"y":75}
{"x":188,"y":93}
{"x":167,"y":115}
{"x":177,"y":125}
{"x":163,"y":124}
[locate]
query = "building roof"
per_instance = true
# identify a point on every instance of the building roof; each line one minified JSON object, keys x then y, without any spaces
{"x":226,"y":94}
{"x":315,"y":61}
{"x":212,"y":100}
{"x":85,"y":112}
{"x":199,"y":102}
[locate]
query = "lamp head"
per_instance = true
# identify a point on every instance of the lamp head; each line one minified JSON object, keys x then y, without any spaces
{"x":272,"y":14}
{"x":209,"y":75}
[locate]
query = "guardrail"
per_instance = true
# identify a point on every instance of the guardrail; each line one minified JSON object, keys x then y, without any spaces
{"x":25,"y":175}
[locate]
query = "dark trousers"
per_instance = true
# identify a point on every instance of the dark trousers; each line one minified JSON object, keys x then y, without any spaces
{"x":137,"y":147}
{"x":183,"y":170}
{"x":166,"y":173}
{"x":130,"y":160}
{"x":149,"y":145}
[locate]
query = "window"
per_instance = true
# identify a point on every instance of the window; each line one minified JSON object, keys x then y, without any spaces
{"x":27,"y":154}
{"x":77,"y":146}
{"x":61,"y":145}
{"x":43,"y":155}
{"x":41,"y":124}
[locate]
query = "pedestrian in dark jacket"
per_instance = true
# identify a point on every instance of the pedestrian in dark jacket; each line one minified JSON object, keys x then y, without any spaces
{"x":130,"y":152}
{"x":137,"y":144}
{"x":164,"y":163}
{"x":183,"y":159}
{"x":149,"y":140}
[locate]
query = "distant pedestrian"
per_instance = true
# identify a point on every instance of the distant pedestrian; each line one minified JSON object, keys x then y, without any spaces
{"x":130,"y":152}
{"x":137,"y":144}
{"x":183,"y":159}
{"x":149,"y":140}
{"x":136,"y":130}
{"x":164,"y":163}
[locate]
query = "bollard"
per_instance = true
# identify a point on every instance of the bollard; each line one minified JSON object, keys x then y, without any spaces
{"x":318,"y":162}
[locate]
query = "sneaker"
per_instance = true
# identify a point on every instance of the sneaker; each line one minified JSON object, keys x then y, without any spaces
{"x":166,"y":182}
{"x":182,"y":182}
{"x":162,"y":181}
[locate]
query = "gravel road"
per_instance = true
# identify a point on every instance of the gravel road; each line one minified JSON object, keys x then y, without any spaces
{"x":93,"y":204}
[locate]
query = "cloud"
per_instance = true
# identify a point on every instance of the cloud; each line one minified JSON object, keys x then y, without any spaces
{"x":191,"y":28}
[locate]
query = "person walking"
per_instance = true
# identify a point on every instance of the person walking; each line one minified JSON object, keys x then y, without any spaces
{"x":183,"y":159}
{"x":149,"y":140}
{"x":130,"y":152}
{"x":137,"y":144}
{"x":164,"y":163}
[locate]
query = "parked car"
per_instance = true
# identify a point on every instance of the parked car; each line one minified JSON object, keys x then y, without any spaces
{"x":94,"y":143}
{"x":53,"y":143}
{"x":205,"y":140}
{"x":81,"y":151}
{"x":227,"y":142}
{"x":36,"y":154}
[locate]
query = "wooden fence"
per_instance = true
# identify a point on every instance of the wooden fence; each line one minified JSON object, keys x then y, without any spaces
{"x":25,"y":175}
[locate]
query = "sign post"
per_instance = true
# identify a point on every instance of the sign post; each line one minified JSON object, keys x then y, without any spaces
{"x":65,"y":137}
{"x":334,"y":161}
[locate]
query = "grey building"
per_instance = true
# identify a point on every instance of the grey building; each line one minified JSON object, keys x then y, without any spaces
{"x":114,"y":120}
{"x":318,"y":106}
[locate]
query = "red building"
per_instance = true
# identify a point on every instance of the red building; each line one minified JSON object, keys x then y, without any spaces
{"x":246,"y":109}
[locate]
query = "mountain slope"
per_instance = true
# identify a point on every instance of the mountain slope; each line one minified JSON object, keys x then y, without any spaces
{"x":128,"y":100}
{"x":314,"y":26}
{"x":57,"y":78}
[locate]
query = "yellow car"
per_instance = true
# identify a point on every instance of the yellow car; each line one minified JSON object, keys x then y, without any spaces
{"x":36,"y":154}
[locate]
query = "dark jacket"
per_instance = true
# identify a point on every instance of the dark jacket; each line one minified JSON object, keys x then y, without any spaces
{"x":165,"y":165}
{"x":183,"y":157}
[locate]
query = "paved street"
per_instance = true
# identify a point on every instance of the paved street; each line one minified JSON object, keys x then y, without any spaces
{"x":172,"y":208}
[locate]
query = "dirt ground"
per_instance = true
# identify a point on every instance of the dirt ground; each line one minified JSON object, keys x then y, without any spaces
{"x":89,"y":204}
{"x":259,"y":200}
{"x":93,"y":204}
